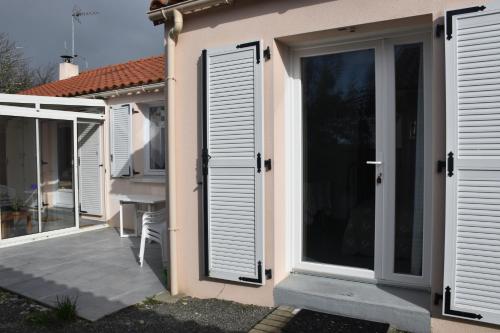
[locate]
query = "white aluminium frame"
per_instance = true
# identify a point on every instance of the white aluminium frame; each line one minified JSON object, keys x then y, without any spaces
{"x":385,"y":152}
{"x":37,"y":113}
{"x":147,"y":139}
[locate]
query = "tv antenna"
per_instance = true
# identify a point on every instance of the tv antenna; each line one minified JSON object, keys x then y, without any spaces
{"x":75,"y":16}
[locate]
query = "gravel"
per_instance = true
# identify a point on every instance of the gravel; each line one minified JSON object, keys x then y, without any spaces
{"x":186,"y":315}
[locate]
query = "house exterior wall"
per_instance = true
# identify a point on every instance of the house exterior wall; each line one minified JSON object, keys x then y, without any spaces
{"x":138,"y":184}
{"x":281,"y":24}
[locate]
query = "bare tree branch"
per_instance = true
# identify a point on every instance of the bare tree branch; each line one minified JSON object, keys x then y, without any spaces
{"x":44,"y":74}
{"x":15,"y":71}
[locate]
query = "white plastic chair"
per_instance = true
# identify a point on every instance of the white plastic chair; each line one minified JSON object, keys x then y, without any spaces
{"x":153,"y":228}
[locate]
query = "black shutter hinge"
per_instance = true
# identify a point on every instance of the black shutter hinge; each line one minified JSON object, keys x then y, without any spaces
{"x":205,"y":157}
{"x":135,"y":172}
{"x":268,"y":165}
{"x":252,"y":44}
{"x":439,"y":30}
{"x":441,"y":165}
{"x":135,"y":111}
{"x":259,"y":162}
{"x":269,"y":274}
{"x":267,"y":53}
{"x":449,"y":311}
{"x":259,"y":275}
{"x":451,"y":164}
{"x":451,"y":13}
{"x":437,"y":298}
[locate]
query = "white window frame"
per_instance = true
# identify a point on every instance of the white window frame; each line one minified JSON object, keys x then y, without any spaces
{"x":147,"y":167}
{"x":293,"y":151}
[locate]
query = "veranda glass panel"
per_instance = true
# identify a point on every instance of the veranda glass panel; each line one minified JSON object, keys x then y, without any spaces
{"x":18,"y":177}
{"x":338,"y":119}
{"x":56,"y":145}
{"x":409,"y":158}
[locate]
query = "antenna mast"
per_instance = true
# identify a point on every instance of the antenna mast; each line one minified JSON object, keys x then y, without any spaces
{"x":75,"y":16}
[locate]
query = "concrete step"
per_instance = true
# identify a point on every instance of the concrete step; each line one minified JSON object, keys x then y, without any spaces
{"x":405,"y":309}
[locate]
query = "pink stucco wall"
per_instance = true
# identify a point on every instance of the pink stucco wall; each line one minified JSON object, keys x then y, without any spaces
{"x":279,"y":24}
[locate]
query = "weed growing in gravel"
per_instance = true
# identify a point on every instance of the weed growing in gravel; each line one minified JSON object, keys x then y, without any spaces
{"x":165,"y":276}
{"x":66,"y":308}
{"x":42,"y":318}
{"x":64,"y":311}
{"x":151,"y":301}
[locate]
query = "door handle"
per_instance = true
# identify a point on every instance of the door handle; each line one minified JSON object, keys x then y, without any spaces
{"x":374,"y":162}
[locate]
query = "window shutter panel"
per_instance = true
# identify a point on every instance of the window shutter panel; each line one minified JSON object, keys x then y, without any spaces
{"x":472,"y":248}
{"x":121,"y":129}
{"x":233,"y":163}
{"x":89,"y":157}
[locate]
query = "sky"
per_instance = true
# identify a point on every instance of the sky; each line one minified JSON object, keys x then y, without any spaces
{"x":120,"y":32}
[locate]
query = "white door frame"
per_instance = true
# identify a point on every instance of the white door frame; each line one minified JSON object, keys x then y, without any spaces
{"x":390,"y":202}
{"x":296,"y":165}
{"x":38,"y":113}
{"x":385,"y":143}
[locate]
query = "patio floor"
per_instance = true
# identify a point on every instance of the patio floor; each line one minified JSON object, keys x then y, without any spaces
{"x":98,"y":267}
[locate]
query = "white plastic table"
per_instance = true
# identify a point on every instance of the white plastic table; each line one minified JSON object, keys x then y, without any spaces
{"x":134,"y":200}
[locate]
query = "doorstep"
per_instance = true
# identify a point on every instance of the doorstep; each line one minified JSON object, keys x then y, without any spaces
{"x":405,"y":309}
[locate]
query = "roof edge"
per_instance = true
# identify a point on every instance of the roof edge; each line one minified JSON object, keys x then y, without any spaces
{"x":127,"y":90}
{"x":160,"y":15}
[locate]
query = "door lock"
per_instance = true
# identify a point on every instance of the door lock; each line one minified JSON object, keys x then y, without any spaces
{"x":379,"y":178}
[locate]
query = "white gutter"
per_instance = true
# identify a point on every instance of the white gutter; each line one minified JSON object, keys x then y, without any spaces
{"x":160,"y":15}
{"x":125,"y":91}
{"x":175,"y":27}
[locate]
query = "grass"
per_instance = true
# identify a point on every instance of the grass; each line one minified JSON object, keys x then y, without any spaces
{"x":66,"y":308}
{"x":64,"y":312}
{"x":151,"y":301}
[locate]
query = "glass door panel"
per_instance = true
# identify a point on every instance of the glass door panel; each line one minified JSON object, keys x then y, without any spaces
{"x":57,"y":174}
{"x":338,"y":187}
{"x":409,"y":114}
{"x":18,"y":177}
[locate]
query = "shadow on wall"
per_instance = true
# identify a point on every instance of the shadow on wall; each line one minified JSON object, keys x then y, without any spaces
{"x":127,"y":186}
{"x":249,"y":9}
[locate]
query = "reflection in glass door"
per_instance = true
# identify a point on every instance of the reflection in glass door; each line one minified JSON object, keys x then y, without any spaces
{"x":362,"y":175}
{"x":18,"y":177}
{"x":338,"y":187}
{"x":57,"y":174}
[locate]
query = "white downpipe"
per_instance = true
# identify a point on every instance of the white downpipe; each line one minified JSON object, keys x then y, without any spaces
{"x":173,"y":32}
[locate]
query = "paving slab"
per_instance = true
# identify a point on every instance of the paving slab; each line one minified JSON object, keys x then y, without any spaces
{"x":98,"y":268}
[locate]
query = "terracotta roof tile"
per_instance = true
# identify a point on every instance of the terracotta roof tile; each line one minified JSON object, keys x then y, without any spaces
{"x":133,"y":73}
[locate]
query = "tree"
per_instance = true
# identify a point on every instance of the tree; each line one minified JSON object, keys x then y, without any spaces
{"x":44,"y":74}
{"x":15,"y":71}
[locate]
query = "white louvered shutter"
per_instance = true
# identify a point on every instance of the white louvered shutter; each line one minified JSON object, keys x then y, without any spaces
{"x":472,"y":250}
{"x":89,"y":162}
{"x":121,"y":133}
{"x":233,"y":152}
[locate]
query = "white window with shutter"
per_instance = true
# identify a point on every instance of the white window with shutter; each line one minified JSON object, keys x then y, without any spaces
{"x":472,"y":250}
{"x":121,"y":142}
{"x":233,"y":163}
